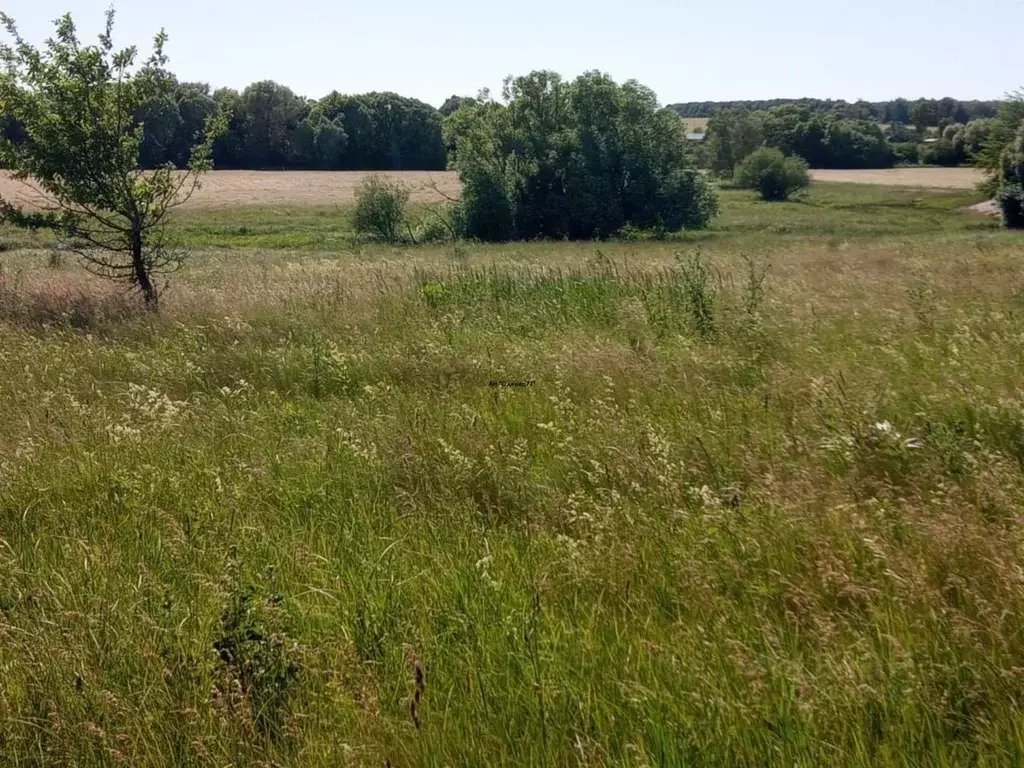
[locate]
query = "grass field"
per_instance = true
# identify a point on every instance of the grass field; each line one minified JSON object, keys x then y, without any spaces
{"x":750,"y":497}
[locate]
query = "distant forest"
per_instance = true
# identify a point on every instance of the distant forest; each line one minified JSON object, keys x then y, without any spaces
{"x":895,"y":111}
{"x":272,"y":127}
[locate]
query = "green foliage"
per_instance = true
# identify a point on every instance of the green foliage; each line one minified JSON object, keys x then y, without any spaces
{"x":794,"y":542}
{"x":855,"y":144}
{"x":731,"y":136}
{"x":895,"y":111}
{"x":272,"y":116}
{"x":455,"y":103}
{"x":974,"y":137}
{"x":271,"y":127}
{"x":574,"y":160}
{"x":78,"y":107}
{"x":900,"y":134}
{"x":318,"y":143}
{"x":258,"y":670}
{"x":924,"y":113}
{"x":381,"y":208}
{"x":823,"y":140}
{"x":388,"y":132}
{"x":943,"y":152}
{"x":905,"y":153}
{"x":1001,"y":135}
{"x":772,"y":174}
{"x":701,"y":288}
{"x":1011,"y":182}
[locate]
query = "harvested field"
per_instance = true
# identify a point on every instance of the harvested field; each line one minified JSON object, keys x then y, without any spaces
{"x":229,"y":189}
{"x":930,"y":178}
{"x":696,"y":124}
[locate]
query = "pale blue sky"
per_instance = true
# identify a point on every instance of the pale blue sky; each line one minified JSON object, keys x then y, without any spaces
{"x":686,"y":51}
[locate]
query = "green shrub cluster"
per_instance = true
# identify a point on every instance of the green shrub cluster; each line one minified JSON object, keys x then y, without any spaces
{"x":574,"y":161}
{"x":772,"y":174}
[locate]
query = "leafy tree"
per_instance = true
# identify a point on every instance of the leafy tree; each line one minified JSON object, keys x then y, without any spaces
{"x":574,"y":160}
{"x":1010,"y":193}
{"x":387,"y":131}
{"x":943,"y":152}
{"x":900,"y":133}
{"x":229,"y":147}
{"x":923,"y":113}
{"x":318,"y":143}
{"x":407,"y":133}
{"x":78,"y":107}
{"x":975,"y":135}
{"x":856,"y":144}
{"x":895,"y":111}
{"x":1001,"y":134}
{"x":455,"y":103}
{"x":731,"y":136}
{"x":772,"y":174}
{"x":900,"y":112}
{"x":359,"y":126}
{"x":196,"y":108}
{"x":161,"y":121}
{"x":272,"y":114}
{"x":905,"y":153}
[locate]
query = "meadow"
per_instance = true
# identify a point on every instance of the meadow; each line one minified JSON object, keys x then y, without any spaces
{"x":749,"y":496}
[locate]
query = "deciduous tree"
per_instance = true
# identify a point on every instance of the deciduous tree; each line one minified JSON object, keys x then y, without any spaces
{"x":79,"y":107}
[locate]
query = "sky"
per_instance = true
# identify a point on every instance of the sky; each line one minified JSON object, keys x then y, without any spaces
{"x":715,"y":50}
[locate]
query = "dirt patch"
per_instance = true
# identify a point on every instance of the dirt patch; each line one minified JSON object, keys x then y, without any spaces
{"x":927,"y":178}
{"x":988,"y":208}
{"x":227,"y":189}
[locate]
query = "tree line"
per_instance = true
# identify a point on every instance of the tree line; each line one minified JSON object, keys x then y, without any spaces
{"x":828,"y":140}
{"x":271,"y":127}
{"x":903,"y":111}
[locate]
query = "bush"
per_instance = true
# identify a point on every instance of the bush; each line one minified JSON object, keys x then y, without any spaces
{"x":574,"y":161}
{"x":439,"y":225}
{"x":905,"y":153}
{"x":772,"y":174}
{"x":944,"y":152}
{"x":380,"y":208}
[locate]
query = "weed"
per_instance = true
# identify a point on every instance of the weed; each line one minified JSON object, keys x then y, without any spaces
{"x":258,"y":670}
{"x":701,"y":287}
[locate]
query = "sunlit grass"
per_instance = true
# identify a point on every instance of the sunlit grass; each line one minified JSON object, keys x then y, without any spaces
{"x":720,"y":528}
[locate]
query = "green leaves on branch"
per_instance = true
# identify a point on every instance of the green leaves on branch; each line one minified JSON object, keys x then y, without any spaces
{"x":81,"y":141}
{"x":573,"y":160}
{"x":1011,"y":182}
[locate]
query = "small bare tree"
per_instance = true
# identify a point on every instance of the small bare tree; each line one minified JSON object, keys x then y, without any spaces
{"x":76,"y":106}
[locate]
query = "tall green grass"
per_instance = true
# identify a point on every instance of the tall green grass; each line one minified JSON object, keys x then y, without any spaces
{"x":759,"y":511}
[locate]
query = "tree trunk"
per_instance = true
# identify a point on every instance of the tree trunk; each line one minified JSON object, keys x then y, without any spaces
{"x":142,"y":277}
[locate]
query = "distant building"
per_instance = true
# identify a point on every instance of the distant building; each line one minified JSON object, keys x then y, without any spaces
{"x":696,"y":136}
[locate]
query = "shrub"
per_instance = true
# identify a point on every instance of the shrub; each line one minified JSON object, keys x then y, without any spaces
{"x":772,"y":174}
{"x":257,"y":673}
{"x":905,"y":153}
{"x":380,"y":208}
{"x":439,"y":224}
{"x":574,"y":161}
{"x":941,"y":152}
